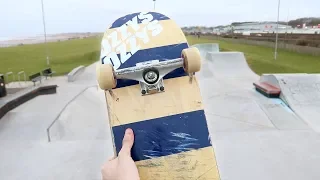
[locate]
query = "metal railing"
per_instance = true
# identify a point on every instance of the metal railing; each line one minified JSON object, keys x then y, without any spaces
{"x":7,"y":77}
{"x":24,"y":76}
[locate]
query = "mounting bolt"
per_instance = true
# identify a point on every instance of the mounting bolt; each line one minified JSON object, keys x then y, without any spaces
{"x":143,"y":92}
{"x":161,"y":88}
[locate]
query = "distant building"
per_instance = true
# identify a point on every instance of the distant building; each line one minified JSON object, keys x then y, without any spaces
{"x":263,"y":27}
{"x":222,"y":30}
{"x":254,"y":28}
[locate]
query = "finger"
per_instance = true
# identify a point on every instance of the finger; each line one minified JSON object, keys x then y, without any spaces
{"x":127,"y":142}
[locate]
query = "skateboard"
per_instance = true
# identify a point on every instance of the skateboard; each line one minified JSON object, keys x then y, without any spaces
{"x":147,"y":71}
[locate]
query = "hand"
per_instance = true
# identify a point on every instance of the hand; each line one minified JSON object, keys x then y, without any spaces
{"x":123,"y":166}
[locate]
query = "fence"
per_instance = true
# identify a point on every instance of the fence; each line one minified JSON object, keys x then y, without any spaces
{"x":281,"y":45}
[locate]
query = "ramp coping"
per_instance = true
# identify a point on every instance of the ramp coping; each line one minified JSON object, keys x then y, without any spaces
{"x":266,"y":87}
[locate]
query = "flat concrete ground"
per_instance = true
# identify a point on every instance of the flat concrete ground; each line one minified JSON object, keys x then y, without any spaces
{"x":254,"y":137}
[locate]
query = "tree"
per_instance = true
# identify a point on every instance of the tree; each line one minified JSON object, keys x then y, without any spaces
{"x":311,"y":21}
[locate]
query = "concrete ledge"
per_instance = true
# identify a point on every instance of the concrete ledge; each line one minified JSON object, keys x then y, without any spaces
{"x":74,"y":73}
{"x":7,"y":104}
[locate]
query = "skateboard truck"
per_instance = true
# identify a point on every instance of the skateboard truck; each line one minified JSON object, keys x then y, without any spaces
{"x":150,"y":74}
{"x":191,"y":77}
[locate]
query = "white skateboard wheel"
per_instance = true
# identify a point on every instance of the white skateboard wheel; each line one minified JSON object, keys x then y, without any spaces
{"x":105,"y":76}
{"x":191,"y":60}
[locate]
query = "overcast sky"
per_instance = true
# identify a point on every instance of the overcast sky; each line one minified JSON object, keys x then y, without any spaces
{"x":19,"y":18}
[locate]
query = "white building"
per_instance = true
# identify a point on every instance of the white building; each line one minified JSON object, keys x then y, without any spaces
{"x":265,"y":27}
{"x":222,"y":30}
{"x":254,"y":28}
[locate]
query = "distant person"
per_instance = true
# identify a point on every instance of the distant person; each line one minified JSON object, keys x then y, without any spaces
{"x":123,"y":166}
{"x":198,"y":35}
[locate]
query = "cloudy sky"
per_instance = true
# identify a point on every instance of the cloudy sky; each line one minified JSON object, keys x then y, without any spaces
{"x":20,"y":18}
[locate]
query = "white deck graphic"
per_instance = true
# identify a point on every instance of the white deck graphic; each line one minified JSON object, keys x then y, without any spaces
{"x":121,"y":37}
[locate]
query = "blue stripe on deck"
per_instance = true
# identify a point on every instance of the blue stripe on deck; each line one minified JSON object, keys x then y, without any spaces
{"x":159,"y":53}
{"x":119,"y":22}
{"x":166,"y":135}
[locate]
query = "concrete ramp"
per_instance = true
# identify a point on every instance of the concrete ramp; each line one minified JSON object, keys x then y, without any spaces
{"x":254,"y":137}
{"x":301,"y":92}
{"x":229,"y":65}
{"x":226,"y":81}
{"x":208,"y":47}
{"x":83,"y":119}
{"x":227,"y":70}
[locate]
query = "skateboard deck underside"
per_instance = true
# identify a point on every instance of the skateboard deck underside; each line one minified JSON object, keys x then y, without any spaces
{"x":171,"y":135}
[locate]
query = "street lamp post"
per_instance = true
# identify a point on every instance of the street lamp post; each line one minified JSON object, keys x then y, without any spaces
{"x":277,"y":33}
{"x":285,"y":38}
{"x":154,"y":4}
{"x":45,"y":33}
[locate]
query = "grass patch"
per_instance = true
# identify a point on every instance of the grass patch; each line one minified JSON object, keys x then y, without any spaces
{"x":261,"y":59}
{"x":64,"y":56}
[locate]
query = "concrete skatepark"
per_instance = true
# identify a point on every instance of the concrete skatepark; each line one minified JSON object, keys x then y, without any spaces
{"x":254,"y":137}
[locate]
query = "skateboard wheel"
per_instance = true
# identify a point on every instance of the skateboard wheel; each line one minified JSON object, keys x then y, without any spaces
{"x":191,"y":60}
{"x":105,"y":76}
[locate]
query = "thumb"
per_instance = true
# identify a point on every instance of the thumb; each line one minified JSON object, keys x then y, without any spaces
{"x":127,"y":143}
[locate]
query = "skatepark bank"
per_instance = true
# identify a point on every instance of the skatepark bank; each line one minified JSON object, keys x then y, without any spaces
{"x":254,"y":137}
